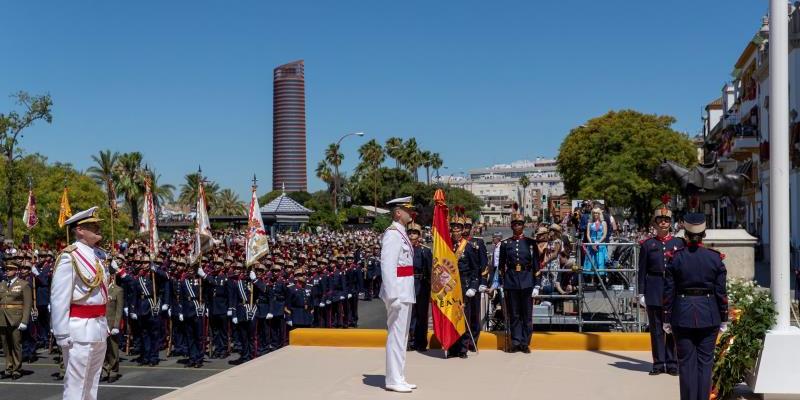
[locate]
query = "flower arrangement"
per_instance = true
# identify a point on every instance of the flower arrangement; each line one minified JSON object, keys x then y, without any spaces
{"x":751,"y":313}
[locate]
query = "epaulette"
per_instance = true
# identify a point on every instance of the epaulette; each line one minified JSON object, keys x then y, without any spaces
{"x":721,"y":254}
{"x":69,"y":249}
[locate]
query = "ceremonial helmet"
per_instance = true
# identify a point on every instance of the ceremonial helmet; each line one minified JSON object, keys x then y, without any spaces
{"x":516,"y":216}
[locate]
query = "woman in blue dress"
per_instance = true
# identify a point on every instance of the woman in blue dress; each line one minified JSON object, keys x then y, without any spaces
{"x":596,"y":256}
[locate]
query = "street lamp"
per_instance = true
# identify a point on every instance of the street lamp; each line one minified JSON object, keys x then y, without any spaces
{"x":336,"y":172}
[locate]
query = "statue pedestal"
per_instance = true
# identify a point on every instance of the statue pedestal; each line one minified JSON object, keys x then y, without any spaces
{"x":738,"y":246}
{"x":775,"y":376}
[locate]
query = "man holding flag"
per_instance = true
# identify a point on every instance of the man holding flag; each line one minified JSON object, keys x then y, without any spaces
{"x":397,"y":292}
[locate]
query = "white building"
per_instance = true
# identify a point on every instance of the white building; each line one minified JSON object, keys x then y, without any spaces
{"x":499,"y":187}
{"x":743,"y":133}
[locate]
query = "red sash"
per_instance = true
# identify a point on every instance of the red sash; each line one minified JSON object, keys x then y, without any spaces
{"x":87,"y":310}
{"x":405,"y":270}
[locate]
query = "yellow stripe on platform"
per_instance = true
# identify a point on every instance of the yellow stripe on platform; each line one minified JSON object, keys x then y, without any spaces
{"x":602,"y":341}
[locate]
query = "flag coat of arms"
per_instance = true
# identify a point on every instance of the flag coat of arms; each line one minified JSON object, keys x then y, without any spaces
{"x":257,"y":240}
{"x":29,"y":216}
{"x":447,"y":302}
{"x":64,"y":210}
{"x":147,"y":223}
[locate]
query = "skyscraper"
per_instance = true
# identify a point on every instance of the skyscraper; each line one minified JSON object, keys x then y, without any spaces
{"x":289,"y":127}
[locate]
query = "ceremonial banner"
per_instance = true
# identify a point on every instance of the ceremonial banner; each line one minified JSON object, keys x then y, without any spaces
{"x":257,"y":240}
{"x":64,"y":211}
{"x":29,"y":216}
{"x":203,"y":239}
{"x":147,"y":223}
{"x":447,"y":303}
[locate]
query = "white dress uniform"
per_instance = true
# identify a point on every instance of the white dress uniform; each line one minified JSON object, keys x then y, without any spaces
{"x":78,"y":315}
{"x":397,"y":292}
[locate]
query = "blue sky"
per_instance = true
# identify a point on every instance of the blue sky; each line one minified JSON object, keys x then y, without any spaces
{"x":190,"y":82}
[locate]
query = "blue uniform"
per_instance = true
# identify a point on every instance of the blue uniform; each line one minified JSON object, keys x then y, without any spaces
{"x":469,"y":272}
{"x":218,"y":308}
{"x":519,"y":260}
{"x":423,"y":263}
{"x":695,"y":304}
{"x":146,"y":324}
{"x":299,"y":306}
{"x":190,"y":308}
{"x":239,"y":295}
{"x":653,"y":256}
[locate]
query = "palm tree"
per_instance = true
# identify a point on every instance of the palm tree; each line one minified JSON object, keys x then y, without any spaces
{"x":524,"y":181}
{"x":425,"y":157}
{"x":394,"y":149}
{"x":191,"y":188}
{"x":372,"y":157}
{"x":334,"y":157}
{"x":436,"y":162}
{"x":325,"y":174}
{"x":130,"y":181}
{"x":410,"y":157}
{"x":104,"y":172}
{"x":228,"y":203}
{"x":162,"y":194}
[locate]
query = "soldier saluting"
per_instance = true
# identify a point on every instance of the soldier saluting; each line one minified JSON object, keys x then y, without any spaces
{"x":79,"y":293}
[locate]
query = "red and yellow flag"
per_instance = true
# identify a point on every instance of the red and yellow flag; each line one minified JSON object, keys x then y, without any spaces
{"x":447,"y":303}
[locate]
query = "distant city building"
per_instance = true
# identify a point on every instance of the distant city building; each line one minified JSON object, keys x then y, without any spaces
{"x":499,"y":188}
{"x":289,"y":128}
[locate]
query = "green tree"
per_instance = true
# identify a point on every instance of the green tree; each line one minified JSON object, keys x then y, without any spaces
{"x":130,"y":181}
{"x":436,"y":163}
{"x":394,"y":149}
{"x":427,"y":161}
{"x":334,"y":158}
{"x":36,"y":108}
{"x":614,"y":157}
{"x":104,"y":173}
{"x":227,"y":203}
{"x":372,"y":157}
{"x":411,"y":157}
{"x":191,"y":187}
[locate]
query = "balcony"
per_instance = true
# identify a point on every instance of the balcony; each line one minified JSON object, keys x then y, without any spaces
{"x":745,"y":143}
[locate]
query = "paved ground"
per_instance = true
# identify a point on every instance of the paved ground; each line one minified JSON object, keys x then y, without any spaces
{"x":351,"y":373}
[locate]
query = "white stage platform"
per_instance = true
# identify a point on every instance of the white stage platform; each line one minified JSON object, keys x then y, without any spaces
{"x":298,"y":372}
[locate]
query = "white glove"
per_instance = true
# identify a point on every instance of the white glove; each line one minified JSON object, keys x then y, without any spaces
{"x":235,"y":320}
{"x":114,"y":265}
{"x":65,"y":342}
{"x":327,"y":302}
{"x":723,"y":327}
{"x":321,"y":305}
{"x":535,"y":292}
{"x":269,"y":315}
{"x":349,"y":296}
{"x":180,"y":317}
{"x":35,"y":271}
{"x":229,"y":313}
{"x":482,"y":288}
{"x":48,"y":308}
{"x":153,"y":267}
{"x":169,"y":313}
{"x":289,"y":322}
{"x":641,"y":301}
{"x":22,"y":326}
{"x":341,"y":297}
{"x":668,"y":328}
{"x":253,"y":276}
{"x":200,"y":272}
{"x":124,"y":310}
{"x":470,"y":293}
{"x":164,"y":307}
{"x":134,"y":316}
{"x":114,"y":331}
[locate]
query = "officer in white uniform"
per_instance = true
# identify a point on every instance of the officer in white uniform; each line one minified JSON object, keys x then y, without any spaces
{"x":79,"y":293}
{"x":397,"y":292}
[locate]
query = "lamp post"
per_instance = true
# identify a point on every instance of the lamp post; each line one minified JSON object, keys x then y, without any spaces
{"x":336,"y":173}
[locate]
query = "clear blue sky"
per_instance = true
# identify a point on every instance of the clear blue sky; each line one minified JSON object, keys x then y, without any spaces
{"x":190,"y":82}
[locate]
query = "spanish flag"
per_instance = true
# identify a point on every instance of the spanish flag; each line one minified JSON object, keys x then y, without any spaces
{"x":64,"y":211}
{"x":447,"y":303}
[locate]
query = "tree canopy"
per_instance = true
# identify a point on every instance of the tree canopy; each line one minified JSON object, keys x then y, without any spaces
{"x":614,"y":157}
